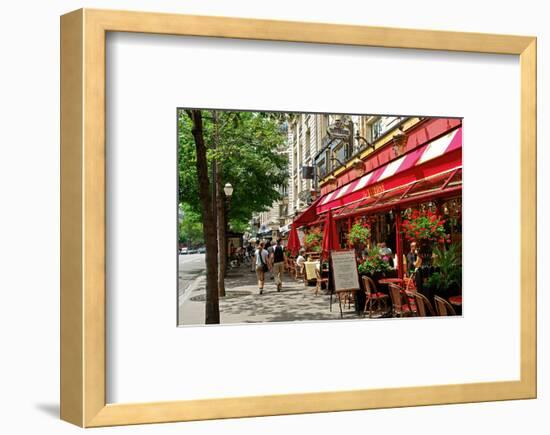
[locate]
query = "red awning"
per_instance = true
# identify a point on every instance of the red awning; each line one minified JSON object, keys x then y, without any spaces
{"x":307,"y":216}
{"x":439,"y":156}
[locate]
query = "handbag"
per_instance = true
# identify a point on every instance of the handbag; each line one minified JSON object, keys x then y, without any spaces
{"x":264,"y":266}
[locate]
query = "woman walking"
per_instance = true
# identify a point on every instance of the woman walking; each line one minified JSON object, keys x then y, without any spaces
{"x":262,"y":266}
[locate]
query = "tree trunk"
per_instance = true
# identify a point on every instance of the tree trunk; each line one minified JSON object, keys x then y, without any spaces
{"x":220,"y":211}
{"x":212,"y":311}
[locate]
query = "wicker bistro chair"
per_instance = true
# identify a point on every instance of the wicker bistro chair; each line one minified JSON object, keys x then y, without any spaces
{"x":443,"y":308}
{"x":409,"y":282}
{"x":319,"y":281}
{"x":291,"y":268}
{"x":375,"y":300}
{"x":400,"y":302}
{"x":423,"y":306}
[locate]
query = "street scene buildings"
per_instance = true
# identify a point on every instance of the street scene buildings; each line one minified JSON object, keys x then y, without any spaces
{"x":312,"y":154}
{"x":304,"y":187}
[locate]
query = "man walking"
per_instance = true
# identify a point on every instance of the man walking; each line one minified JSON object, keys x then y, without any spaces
{"x":262,"y":265}
{"x":278,"y":264}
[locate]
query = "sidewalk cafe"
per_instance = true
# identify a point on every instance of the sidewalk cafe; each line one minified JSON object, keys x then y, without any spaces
{"x":403,"y":221}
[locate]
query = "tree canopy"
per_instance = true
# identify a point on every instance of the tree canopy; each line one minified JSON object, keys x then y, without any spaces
{"x":250,"y":152}
{"x":190,"y":231}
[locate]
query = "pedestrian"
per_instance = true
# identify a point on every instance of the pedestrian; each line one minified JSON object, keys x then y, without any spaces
{"x":252,"y":256}
{"x":249,"y":254}
{"x":269,"y":247}
{"x":262,"y":267}
{"x":278,"y":262}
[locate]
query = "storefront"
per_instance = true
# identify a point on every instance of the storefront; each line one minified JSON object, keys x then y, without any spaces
{"x":426,"y":176}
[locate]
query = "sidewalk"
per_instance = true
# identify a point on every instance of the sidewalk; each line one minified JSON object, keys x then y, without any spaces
{"x":243,"y":303}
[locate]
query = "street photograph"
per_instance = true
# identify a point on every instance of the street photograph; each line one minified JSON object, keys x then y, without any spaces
{"x":285,"y":217}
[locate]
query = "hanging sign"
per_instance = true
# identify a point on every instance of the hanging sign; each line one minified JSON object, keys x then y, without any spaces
{"x":339,"y":130}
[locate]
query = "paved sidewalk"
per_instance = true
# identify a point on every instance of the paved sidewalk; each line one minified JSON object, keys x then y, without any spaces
{"x":244,"y":304}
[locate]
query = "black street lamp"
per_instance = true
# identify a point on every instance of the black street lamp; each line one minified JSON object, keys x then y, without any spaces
{"x":228,"y":190}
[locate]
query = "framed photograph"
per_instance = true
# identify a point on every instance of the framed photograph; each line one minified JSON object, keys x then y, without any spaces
{"x":224,"y":181}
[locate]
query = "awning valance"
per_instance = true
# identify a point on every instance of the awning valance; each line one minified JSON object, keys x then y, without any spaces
{"x":439,"y":156}
{"x":443,"y":185}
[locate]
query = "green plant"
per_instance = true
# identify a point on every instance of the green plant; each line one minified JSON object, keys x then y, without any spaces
{"x":313,"y":240}
{"x":359,"y":233}
{"x":373,"y":263}
{"x":449,"y":263}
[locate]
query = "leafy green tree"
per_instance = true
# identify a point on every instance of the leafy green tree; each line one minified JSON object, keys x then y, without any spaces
{"x":245,"y":149}
{"x":190,"y":230}
{"x":250,"y":152}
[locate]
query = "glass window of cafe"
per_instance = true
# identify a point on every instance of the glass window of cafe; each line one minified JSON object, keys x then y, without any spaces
{"x":383,"y":225}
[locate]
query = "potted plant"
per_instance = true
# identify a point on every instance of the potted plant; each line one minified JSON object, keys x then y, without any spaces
{"x":313,"y":240}
{"x":447,"y":279}
{"x":374,"y":265}
{"x":425,"y":227}
{"x":359,"y":234}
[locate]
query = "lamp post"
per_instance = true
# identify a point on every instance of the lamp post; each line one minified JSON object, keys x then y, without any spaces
{"x":228,"y":190}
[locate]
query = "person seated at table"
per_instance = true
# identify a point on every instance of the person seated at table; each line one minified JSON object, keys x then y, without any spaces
{"x":300,"y":260}
{"x":385,"y":253}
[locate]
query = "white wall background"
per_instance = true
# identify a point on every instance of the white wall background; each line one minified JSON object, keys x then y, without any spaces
{"x":140,"y":200}
{"x":29,"y":229}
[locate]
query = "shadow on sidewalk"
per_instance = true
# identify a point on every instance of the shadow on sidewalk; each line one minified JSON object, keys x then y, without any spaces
{"x":244,"y":304}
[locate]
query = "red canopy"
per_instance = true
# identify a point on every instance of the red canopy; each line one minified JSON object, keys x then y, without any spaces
{"x":293,"y":244}
{"x":330,"y":237}
{"x":307,"y":216}
{"x":441,"y":155}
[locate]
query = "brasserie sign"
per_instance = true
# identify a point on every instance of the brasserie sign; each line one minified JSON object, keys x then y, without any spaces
{"x":338,"y":130}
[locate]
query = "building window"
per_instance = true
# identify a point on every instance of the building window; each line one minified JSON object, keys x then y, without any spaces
{"x":377,"y":129}
{"x":383,"y":125}
{"x":321,"y":166}
{"x":325,"y":123}
{"x":341,"y":152}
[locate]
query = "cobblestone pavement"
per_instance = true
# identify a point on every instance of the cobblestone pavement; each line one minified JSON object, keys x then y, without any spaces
{"x":244,"y":304}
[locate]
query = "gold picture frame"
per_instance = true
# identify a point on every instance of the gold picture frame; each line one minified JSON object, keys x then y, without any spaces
{"x":83,"y":302}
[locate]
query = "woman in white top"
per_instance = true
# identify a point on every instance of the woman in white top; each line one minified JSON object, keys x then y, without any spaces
{"x":261,"y":256}
{"x":300,"y":262}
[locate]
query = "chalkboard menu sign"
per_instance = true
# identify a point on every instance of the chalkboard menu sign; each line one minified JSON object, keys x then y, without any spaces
{"x":344,"y":270}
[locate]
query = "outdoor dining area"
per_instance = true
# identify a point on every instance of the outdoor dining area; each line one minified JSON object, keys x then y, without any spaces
{"x":408,"y":262}
{"x":384,"y":238}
